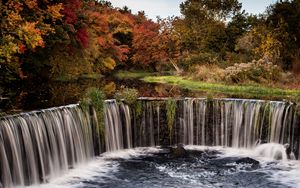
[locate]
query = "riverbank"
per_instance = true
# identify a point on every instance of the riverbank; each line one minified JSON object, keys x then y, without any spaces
{"x":245,"y":91}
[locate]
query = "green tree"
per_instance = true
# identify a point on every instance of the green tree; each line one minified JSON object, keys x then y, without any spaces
{"x":283,"y":20}
{"x":203,"y":28}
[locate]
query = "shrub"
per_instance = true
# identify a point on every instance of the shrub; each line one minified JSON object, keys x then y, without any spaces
{"x":207,"y":73}
{"x":95,"y":98}
{"x":256,"y":71}
{"x":129,"y":96}
{"x":200,"y":59}
{"x":171,"y":114}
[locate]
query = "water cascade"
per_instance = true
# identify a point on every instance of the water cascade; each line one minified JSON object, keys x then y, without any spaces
{"x":37,"y":146}
{"x":271,"y":150}
{"x":238,"y":123}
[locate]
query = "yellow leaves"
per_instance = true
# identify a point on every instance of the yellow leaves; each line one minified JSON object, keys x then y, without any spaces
{"x":54,"y":11}
{"x":9,"y":48}
{"x":15,"y":5}
{"x":31,"y":35}
{"x":24,"y":25}
{"x":269,"y":48}
{"x":109,"y":88}
{"x":109,"y":63}
{"x":13,"y":19}
{"x":31,"y":4}
{"x":120,"y":23}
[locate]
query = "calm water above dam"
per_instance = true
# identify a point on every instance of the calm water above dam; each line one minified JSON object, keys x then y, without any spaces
{"x":33,"y":96}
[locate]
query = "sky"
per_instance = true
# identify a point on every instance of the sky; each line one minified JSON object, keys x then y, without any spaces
{"x":165,"y":8}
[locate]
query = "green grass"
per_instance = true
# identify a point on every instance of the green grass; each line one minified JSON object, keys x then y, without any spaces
{"x":239,"y":90}
{"x":133,"y":74}
{"x":91,"y":76}
{"x":137,"y":74}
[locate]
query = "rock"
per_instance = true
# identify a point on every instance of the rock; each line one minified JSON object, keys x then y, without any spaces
{"x":248,"y":160}
{"x":179,"y":151}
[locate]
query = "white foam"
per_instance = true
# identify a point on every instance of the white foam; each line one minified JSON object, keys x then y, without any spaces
{"x":282,"y":171}
{"x":130,"y":153}
{"x":97,"y":168}
{"x":289,"y":175}
{"x":271,"y":150}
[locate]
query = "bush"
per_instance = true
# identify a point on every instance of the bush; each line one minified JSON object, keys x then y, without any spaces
{"x":256,"y":71}
{"x":95,"y":98}
{"x":171,"y":106}
{"x":207,"y":73}
{"x":129,"y":96}
{"x":200,"y":59}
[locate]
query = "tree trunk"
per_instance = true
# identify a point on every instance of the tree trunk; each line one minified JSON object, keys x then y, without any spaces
{"x":178,"y":70}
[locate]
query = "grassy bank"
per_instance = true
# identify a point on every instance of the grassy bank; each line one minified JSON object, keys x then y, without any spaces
{"x":133,"y":74}
{"x":238,"y":90}
{"x":139,"y":74}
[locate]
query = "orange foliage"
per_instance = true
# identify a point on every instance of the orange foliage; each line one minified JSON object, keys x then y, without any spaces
{"x":24,"y":23}
{"x":145,"y":43}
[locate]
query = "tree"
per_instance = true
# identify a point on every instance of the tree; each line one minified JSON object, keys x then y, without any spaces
{"x":202,"y":29}
{"x":283,"y":17}
{"x":145,"y":43}
{"x":23,"y":28}
{"x":169,"y":42}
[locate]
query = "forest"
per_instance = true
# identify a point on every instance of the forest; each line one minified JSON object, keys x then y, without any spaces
{"x":212,"y":41}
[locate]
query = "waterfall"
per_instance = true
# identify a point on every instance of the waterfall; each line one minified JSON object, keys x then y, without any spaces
{"x":236,"y":122}
{"x":37,"y":146}
{"x":127,"y":124}
{"x":40,"y":145}
{"x":113,"y":127}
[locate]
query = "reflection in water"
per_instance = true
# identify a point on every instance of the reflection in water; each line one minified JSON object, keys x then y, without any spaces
{"x":31,"y":96}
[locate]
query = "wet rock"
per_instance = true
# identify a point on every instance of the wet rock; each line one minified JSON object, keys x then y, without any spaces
{"x":288,"y":149}
{"x":178,"y":152}
{"x":247,"y":160}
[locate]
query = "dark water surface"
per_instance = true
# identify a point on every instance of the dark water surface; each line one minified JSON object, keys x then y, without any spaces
{"x":206,"y":168}
{"x":40,"y":95}
{"x":33,"y":96}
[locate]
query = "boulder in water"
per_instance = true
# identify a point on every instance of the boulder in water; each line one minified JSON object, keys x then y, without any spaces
{"x":178,"y":152}
{"x":247,"y":160}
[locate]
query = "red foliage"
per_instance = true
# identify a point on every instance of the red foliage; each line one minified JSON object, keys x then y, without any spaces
{"x":74,"y":4}
{"x":146,"y":43}
{"x":22,"y":48}
{"x":82,"y":37}
{"x":70,"y":10}
{"x":101,"y":41}
{"x":69,"y":15}
{"x":121,"y":52}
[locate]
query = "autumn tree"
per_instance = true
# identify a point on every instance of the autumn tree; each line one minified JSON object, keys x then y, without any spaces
{"x":110,"y":30}
{"x":145,"y":44}
{"x":169,"y":43}
{"x":95,"y":31}
{"x":23,"y":28}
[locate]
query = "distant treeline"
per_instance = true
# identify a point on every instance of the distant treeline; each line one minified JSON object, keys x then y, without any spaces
{"x":66,"y":39}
